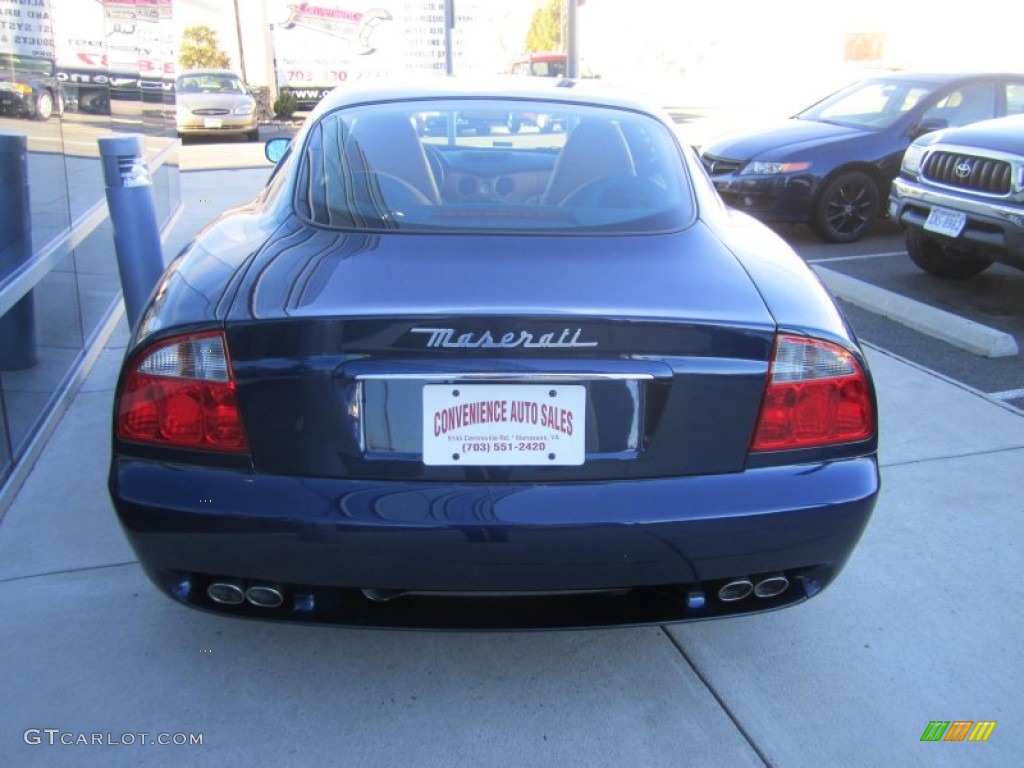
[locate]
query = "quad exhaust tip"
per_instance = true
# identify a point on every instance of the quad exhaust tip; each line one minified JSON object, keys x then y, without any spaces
{"x":264,"y":597}
{"x":765,"y":587}
{"x":737,"y":589}
{"x":226,"y":593}
{"x":770,"y":586}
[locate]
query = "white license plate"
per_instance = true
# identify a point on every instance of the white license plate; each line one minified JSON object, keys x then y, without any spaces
{"x":943,"y":221}
{"x":504,"y":424}
{"x":213,"y":122}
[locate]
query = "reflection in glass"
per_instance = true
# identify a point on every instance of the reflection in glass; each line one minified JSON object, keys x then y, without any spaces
{"x":28,"y":392}
{"x":5,"y":443}
{"x":108,"y":66}
{"x":28,"y":106}
{"x":98,"y":280}
{"x":85,"y":93}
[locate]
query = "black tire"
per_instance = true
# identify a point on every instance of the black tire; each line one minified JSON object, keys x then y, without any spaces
{"x":846,"y":208}
{"x":43,"y":106}
{"x":941,"y":260}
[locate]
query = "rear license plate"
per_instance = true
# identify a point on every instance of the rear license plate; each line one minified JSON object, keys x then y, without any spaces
{"x":943,"y":221}
{"x":213,"y":122}
{"x":503,"y":424}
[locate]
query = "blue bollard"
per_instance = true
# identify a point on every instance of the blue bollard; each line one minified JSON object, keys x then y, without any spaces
{"x":17,"y":326}
{"x":133,"y":216}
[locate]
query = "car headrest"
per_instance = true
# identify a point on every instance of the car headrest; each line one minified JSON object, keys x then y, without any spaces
{"x":593,"y":150}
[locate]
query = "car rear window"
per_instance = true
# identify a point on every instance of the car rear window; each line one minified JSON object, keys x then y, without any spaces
{"x":473,"y":165}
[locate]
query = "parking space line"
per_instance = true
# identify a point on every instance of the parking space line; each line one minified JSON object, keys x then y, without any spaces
{"x":858,"y":257}
{"x":959,"y":331}
{"x":1010,"y":394}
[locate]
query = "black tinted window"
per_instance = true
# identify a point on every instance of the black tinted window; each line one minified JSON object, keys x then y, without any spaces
{"x":480,"y":165}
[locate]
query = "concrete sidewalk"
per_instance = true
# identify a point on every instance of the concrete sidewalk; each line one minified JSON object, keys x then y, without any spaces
{"x":924,"y":624}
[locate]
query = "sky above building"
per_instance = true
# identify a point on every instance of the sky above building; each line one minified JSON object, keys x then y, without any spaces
{"x":726,"y":50}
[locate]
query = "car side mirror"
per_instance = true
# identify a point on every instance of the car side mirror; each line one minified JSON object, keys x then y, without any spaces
{"x":275,"y":149}
{"x":928,"y":125}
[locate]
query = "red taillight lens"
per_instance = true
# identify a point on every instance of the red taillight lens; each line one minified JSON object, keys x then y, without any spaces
{"x":817,"y":395}
{"x":182,"y":394}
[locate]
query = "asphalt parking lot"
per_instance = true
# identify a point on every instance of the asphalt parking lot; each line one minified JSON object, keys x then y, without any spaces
{"x":923,"y":625}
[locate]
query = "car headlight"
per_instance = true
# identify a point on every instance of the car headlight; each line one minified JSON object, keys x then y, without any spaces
{"x":245,"y":109}
{"x":765,"y":168}
{"x":183,"y":113}
{"x":912,"y":159}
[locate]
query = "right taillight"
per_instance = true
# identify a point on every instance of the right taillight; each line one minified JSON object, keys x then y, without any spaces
{"x":181,"y":394}
{"x":817,"y":395}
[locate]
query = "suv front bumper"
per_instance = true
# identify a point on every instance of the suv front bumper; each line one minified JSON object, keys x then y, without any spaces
{"x":992,"y":226}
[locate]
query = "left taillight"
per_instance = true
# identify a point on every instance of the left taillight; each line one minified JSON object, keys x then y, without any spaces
{"x":817,"y":395}
{"x":181,"y":393}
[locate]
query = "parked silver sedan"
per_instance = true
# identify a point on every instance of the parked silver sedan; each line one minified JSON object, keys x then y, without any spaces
{"x":212,"y":102}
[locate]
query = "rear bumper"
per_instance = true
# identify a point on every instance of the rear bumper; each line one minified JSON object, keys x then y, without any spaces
{"x":651,"y":542}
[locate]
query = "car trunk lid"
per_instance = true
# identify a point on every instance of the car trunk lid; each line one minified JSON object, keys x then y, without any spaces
{"x":334,"y":338}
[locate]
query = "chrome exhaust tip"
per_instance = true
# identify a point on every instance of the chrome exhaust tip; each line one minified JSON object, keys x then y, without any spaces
{"x":770,"y":586}
{"x":382,"y":595}
{"x":225,"y":593}
{"x":264,"y":597}
{"x":737,"y":589}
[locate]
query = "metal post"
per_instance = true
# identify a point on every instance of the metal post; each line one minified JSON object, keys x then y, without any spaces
{"x":572,"y":49}
{"x":17,"y":326}
{"x":133,"y":216}
{"x":449,"y":25}
{"x":241,"y":51}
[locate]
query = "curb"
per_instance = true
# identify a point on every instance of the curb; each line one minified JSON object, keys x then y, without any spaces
{"x":959,"y":331}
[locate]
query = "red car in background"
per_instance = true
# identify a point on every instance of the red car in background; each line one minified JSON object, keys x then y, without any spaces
{"x":543,"y":65}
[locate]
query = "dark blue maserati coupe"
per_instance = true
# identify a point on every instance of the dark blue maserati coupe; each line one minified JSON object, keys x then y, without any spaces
{"x":455,"y":379}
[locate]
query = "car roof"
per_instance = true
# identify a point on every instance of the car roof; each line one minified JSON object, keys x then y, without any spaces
{"x":502,"y":88}
{"x":936,"y":77}
{"x":208,"y":71}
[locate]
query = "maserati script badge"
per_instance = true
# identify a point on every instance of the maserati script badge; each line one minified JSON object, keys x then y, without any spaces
{"x":446,"y":338}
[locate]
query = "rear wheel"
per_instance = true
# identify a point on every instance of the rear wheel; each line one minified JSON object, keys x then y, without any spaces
{"x":941,"y":260}
{"x":846,"y":208}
